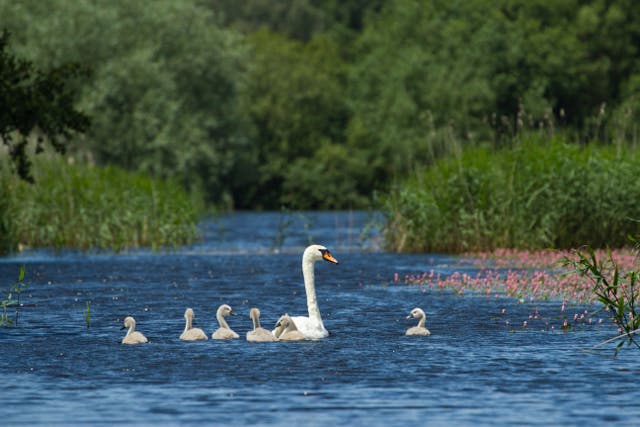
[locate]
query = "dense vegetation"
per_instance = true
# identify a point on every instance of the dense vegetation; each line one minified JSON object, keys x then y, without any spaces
{"x":35,"y":105}
{"x":91,"y":208}
{"x":533,"y":195}
{"x":316,"y":104}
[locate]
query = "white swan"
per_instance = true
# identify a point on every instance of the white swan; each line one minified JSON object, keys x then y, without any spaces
{"x":191,"y":334}
{"x":417,"y":313}
{"x":132,"y":336}
{"x":258,"y":334}
{"x":289,"y":330}
{"x":224,"y":332}
{"x":311,"y":327}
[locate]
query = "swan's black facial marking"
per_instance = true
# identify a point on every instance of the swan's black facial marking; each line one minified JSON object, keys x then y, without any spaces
{"x":326,"y":255}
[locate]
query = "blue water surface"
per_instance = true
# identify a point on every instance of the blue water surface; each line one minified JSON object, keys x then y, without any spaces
{"x":478,"y":367}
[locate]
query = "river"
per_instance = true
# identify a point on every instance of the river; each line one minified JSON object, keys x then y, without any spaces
{"x":473,"y":369}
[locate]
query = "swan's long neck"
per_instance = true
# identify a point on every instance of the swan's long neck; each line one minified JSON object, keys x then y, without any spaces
{"x":187,"y":326}
{"x":132,"y":328}
{"x":310,"y":287}
{"x":223,"y":323}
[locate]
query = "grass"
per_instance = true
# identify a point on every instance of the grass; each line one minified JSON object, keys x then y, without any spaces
{"x":531,"y":195}
{"x":78,"y":206}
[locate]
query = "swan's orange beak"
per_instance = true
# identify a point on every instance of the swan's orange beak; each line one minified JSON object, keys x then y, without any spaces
{"x":328,"y":257}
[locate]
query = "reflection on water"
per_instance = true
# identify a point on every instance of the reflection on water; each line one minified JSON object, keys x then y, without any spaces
{"x":472,"y":370}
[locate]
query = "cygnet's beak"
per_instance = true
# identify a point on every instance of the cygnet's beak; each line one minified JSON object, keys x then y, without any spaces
{"x":233,"y":313}
{"x":123,"y":327}
{"x":409,"y":317}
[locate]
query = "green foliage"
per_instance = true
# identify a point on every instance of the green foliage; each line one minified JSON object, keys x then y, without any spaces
{"x":299,"y":121}
{"x":309,"y":104}
{"x":9,"y":300}
{"x":492,"y":67}
{"x":532,"y":195}
{"x":91,"y":207}
{"x":296,"y":19}
{"x":35,"y":102}
{"x":165,"y":81}
{"x":618,"y":293}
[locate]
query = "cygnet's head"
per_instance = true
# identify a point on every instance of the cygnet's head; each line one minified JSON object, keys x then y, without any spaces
{"x":254,"y":313}
{"x":225,"y":310}
{"x":318,"y":252}
{"x":188,"y":313}
{"x":416,"y":313}
{"x":284,"y":321}
{"x":128,"y":322}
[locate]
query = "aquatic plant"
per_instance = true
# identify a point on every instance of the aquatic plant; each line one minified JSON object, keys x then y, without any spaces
{"x":284,"y":223}
{"x":5,"y":304}
{"x":9,"y":301}
{"x":583,"y":277}
{"x":617,"y":292}
{"x":87,"y":315}
{"x":524,"y":275}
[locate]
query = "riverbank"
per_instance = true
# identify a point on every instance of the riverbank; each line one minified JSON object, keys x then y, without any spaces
{"x":87,"y":207}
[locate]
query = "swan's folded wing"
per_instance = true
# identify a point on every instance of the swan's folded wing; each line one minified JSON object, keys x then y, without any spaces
{"x":310,"y":329}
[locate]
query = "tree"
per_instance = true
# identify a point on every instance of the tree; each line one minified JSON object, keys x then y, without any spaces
{"x":295,"y":98}
{"x":163,"y":93}
{"x":35,"y":103}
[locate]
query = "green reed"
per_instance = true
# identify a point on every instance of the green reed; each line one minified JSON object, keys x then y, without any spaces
{"x":10,"y":301}
{"x":531,"y":194}
{"x":88,"y":207}
{"x":87,"y":315}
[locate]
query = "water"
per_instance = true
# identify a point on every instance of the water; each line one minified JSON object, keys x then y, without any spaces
{"x":472,"y":370}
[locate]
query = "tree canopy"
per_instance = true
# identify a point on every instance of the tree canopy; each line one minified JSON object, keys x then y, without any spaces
{"x":317,"y":104}
{"x":35,"y":104}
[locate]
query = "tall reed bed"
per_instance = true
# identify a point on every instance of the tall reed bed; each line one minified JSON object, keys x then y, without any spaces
{"x":530,"y":195}
{"x":87,"y":207}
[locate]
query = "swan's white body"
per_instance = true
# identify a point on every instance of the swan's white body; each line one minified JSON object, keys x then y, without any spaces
{"x":133,"y":336}
{"x":311,"y":327}
{"x":190,"y":333}
{"x":417,"y":313}
{"x":224,"y":332}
